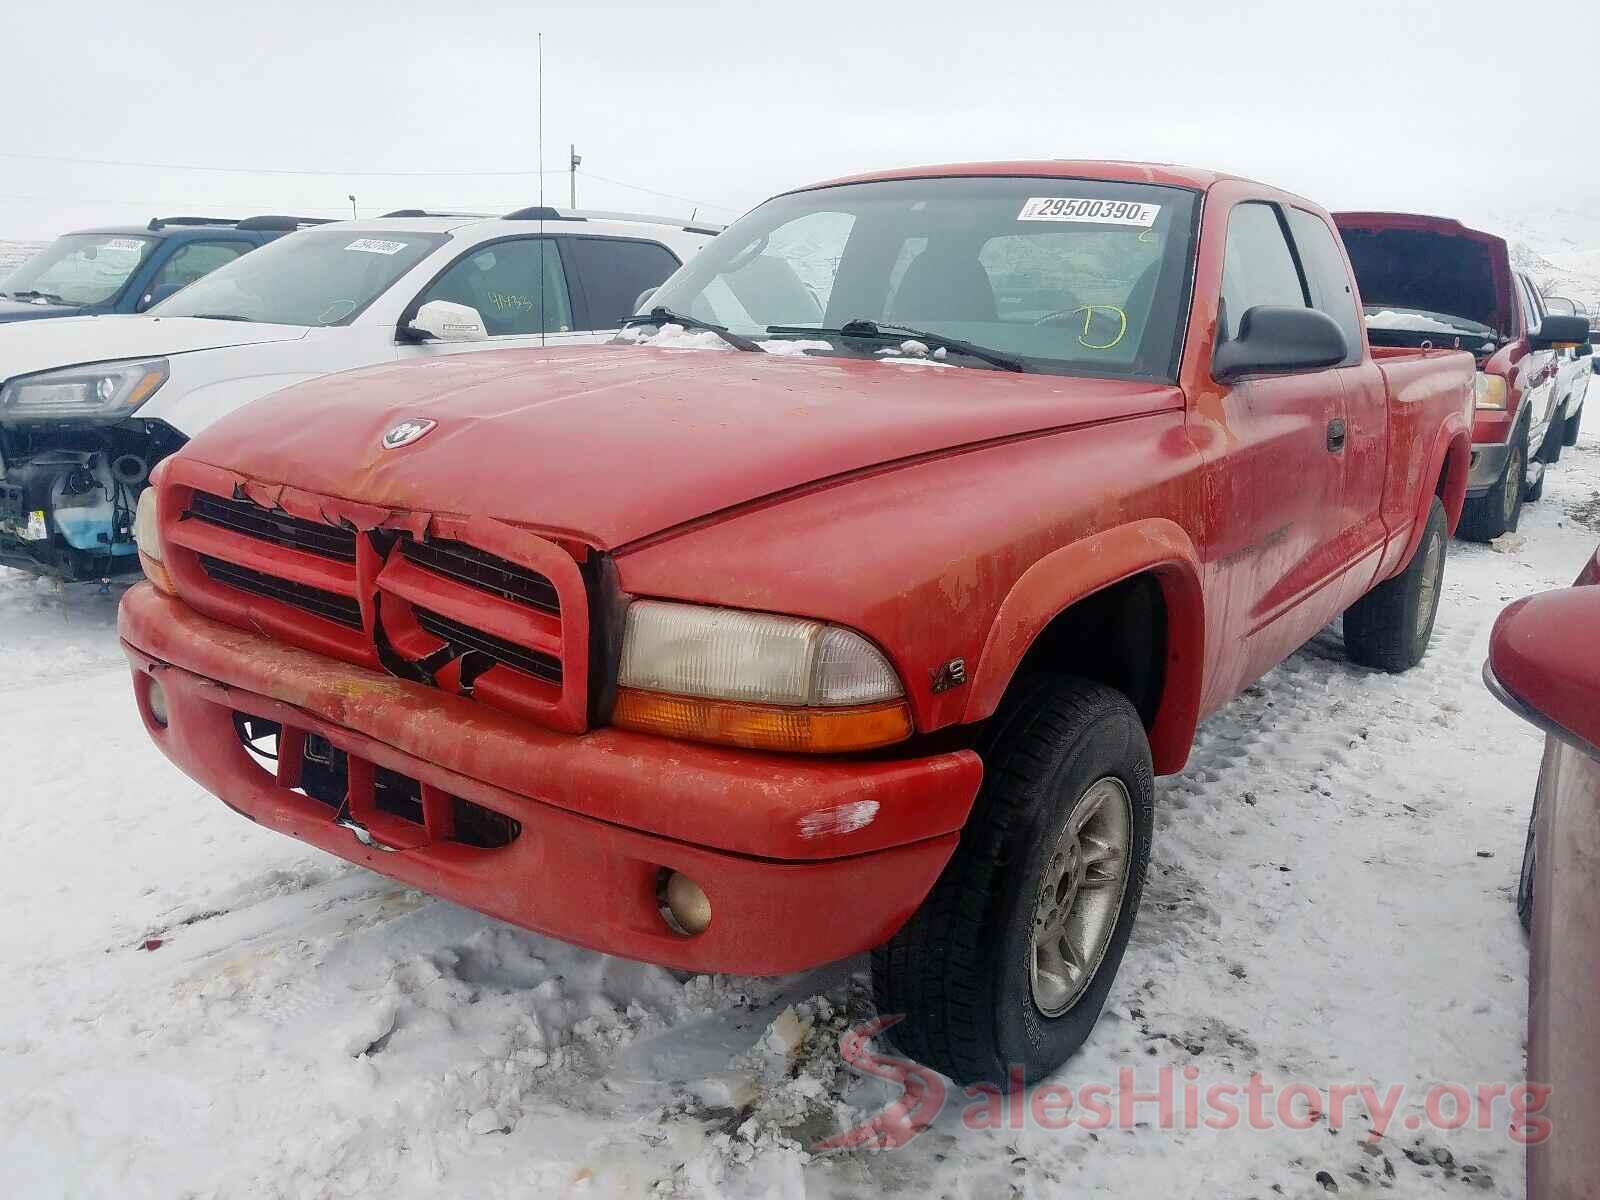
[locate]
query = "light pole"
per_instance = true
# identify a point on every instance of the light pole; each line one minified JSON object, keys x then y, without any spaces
{"x":353,"y":214}
{"x":572,"y":168}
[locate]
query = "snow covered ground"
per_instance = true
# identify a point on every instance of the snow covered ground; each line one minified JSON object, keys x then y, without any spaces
{"x":196,"y":1007}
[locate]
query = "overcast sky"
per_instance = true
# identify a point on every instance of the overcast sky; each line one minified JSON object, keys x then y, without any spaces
{"x":1461,"y":108}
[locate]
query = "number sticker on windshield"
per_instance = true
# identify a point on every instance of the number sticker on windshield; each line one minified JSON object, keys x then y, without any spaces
{"x":376,"y":246}
{"x":1094,"y":212}
{"x":133,"y":244}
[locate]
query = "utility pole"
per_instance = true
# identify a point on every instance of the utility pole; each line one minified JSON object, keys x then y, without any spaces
{"x":352,"y":200}
{"x":572,"y":167}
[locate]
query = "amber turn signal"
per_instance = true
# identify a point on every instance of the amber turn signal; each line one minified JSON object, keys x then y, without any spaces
{"x":764,"y":727}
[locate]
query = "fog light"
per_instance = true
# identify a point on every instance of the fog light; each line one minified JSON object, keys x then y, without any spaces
{"x":687,"y":902}
{"x":156,"y":698}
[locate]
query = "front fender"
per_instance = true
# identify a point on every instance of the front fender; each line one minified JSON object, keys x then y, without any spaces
{"x":1064,"y":576}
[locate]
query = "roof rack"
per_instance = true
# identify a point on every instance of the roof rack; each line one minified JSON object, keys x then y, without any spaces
{"x":163,"y":222}
{"x":269,"y":222}
{"x":285,"y":224}
{"x":414,"y":213}
{"x":544,"y":212}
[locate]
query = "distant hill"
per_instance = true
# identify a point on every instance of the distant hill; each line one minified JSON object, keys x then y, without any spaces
{"x":1559,"y":248}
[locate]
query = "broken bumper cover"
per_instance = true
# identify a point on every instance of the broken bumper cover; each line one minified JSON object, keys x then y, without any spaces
{"x":1488,"y":461}
{"x":804,"y":861}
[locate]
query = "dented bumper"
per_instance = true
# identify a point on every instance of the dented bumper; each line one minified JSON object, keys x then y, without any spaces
{"x":804,"y":861}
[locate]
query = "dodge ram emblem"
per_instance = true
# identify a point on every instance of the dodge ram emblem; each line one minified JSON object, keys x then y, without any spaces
{"x":407,"y":432}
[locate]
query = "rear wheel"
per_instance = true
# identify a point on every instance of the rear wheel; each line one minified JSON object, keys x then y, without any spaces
{"x":1486,"y":517}
{"x":1007,"y":963}
{"x":1389,"y":628}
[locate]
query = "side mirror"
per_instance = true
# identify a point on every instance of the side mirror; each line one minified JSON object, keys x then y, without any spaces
{"x":156,"y":295}
{"x":1539,"y":669}
{"x":1559,"y":331}
{"x":1280,"y":338}
{"x":444,"y":321}
{"x":644,"y":299}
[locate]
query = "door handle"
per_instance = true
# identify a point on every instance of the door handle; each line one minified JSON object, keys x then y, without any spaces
{"x":1335,"y":435}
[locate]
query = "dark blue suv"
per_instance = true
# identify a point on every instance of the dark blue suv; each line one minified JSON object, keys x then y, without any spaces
{"x":127,"y":268}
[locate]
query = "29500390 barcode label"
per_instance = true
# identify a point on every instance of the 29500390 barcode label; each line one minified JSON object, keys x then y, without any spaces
{"x":1095,"y":212}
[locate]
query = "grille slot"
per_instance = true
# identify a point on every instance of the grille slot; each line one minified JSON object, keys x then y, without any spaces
{"x":279,"y":528}
{"x":331,"y":605}
{"x":485,"y":571}
{"x":465,"y":638}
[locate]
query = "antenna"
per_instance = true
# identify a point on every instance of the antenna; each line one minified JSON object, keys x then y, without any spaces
{"x":541,"y":119}
{"x":544,"y":314}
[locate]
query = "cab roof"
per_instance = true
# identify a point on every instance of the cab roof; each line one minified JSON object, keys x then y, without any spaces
{"x":1166,"y":174}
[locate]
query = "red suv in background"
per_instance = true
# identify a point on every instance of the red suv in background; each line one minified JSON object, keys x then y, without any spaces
{"x":1432,"y":281}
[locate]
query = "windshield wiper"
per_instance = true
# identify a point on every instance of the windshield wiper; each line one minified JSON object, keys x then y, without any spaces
{"x":215,"y":316}
{"x":863,"y":328}
{"x":36,"y":295}
{"x":665,"y":316}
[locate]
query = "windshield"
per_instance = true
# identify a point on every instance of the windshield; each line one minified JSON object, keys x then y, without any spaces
{"x":1066,"y":275}
{"x":78,"y":268}
{"x":314,"y":277}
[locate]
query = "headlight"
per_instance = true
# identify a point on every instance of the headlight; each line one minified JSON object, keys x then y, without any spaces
{"x":97,"y":392}
{"x":1488,"y":391}
{"x":752,"y":679}
{"x":147,"y":536}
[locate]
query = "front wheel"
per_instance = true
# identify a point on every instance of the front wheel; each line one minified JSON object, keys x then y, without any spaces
{"x":1006,"y":965}
{"x":1497,"y":511}
{"x":1389,"y":628}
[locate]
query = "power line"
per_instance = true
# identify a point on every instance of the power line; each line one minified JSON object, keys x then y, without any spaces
{"x":633,"y":187}
{"x":157,"y":166}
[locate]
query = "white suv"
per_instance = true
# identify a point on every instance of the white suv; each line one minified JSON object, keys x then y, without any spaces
{"x":89,"y":404}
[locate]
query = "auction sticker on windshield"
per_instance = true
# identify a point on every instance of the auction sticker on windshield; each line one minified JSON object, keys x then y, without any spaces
{"x":133,"y":244}
{"x":376,"y":246}
{"x":1097,"y":212}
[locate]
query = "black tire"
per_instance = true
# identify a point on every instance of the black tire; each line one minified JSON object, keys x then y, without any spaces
{"x":1569,"y":431}
{"x":1390,"y":626}
{"x":1497,"y":511}
{"x":1525,"y":877}
{"x":961,"y":970}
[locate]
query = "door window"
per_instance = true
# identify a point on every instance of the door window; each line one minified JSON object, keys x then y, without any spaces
{"x":516,"y":286}
{"x":1530,"y":307}
{"x":1328,"y":277}
{"x":1258,"y":267}
{"x":190,"y":262}
{"x":614,"y":273}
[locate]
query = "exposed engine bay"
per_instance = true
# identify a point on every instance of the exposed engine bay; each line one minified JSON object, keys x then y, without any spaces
{"x":68,"y":494}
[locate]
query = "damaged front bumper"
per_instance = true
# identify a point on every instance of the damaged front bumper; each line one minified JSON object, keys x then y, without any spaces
{"x":803,"y":861}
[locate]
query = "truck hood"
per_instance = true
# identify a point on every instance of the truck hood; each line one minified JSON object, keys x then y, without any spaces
{"x":609,"y":444}
{"x":1435,"y":264}
{"x":34,"y":346}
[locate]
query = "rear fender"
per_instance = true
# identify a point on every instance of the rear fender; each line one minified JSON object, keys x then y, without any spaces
{"x":1070,"y":574}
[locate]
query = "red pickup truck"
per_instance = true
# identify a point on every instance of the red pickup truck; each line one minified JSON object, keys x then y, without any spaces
{"x":865,"y":630}
{"x":1432,"y":281}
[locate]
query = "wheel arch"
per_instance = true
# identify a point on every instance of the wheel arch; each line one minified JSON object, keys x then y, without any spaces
{"x":1145,"y":572}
